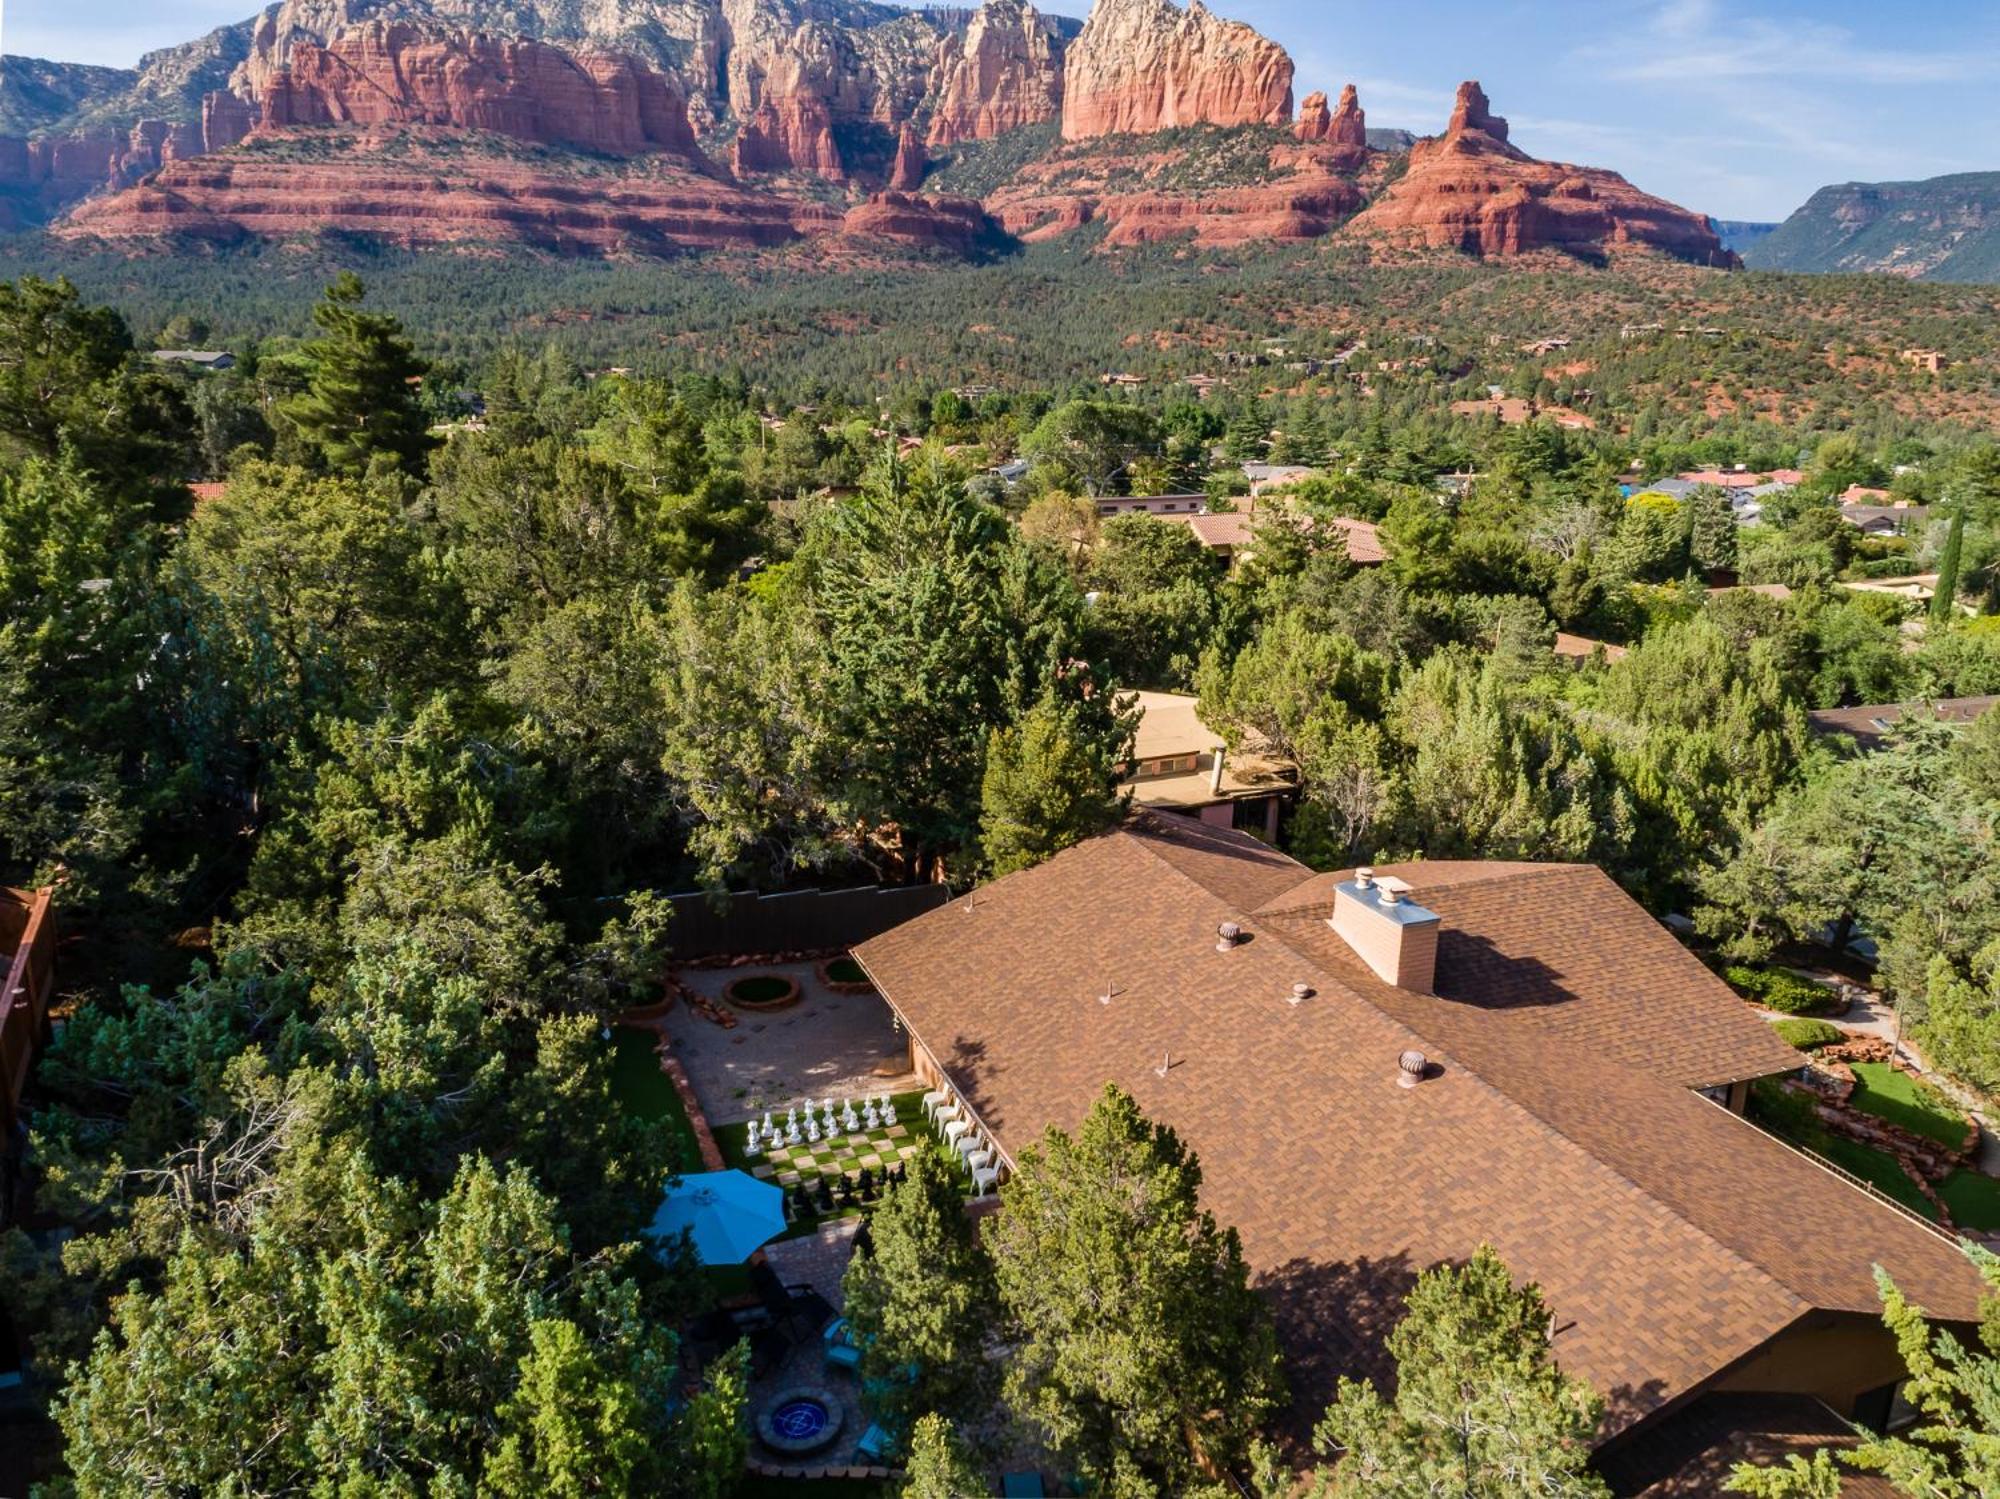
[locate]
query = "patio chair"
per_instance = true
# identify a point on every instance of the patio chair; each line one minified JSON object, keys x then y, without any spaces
{"x":842,"y":1352}
{"x":789,"y":1306}
{"x":876,"y":1444}
{"x":1021,"y":1486}
{"x":976,"y":1159}
{"x":984,"y":1179}
{"x":935,"y":1100}
{"x":954,"y":1129}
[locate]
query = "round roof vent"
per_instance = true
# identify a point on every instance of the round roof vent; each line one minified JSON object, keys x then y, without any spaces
{"x":1411,"y":1067}
{"x":1301,"y":993}
{"x":1227,"y":936}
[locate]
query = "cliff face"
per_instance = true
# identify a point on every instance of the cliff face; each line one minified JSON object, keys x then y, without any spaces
{"x":1004,"y":72}
{"x":1941,"y":229}
{"x":1472,"y":190}
{"x":1345,"y":126}
{"x":443,"y":187}
{"x":1144,"y":65}
{"x":390,"y":73}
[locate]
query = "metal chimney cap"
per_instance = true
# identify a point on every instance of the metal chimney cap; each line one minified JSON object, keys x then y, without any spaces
{"x":1301,"y":993}
{"x":1365,"y":878}
{"x":1411,"y":1067}
{"x":1227,"y":936}
{"x":1390,"y":895}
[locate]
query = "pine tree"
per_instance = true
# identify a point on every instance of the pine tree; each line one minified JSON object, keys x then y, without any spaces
{"x":1480,"y":1407}
{"x":361,"y":397}
{"x":940,"y":1467}
{"x":1047,"y":788}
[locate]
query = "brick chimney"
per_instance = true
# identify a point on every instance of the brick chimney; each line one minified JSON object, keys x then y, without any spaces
{"x":1393,"y":935}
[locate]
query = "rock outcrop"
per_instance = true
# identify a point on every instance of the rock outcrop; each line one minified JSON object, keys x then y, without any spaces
{"x":1346,"y":126}
{"x":435,"y":191}
{"x":789,"y":133}
{"x":1472,"y":190}
{"x":1145,"y":65}
{"x":225,"y":119}
{"x":383,"y":73}
{"x":906,"y":175}
{"x":1003,"y":72}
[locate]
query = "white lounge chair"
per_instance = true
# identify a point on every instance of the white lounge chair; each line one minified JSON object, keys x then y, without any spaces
{"x":984,"y":1179}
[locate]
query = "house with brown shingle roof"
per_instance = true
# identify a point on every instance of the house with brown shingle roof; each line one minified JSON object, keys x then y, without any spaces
{"x":1232,"y":534}
{"x":1381,"y":1074}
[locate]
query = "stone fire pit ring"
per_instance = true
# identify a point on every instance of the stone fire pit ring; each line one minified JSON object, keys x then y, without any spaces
{"x":760,"y":993}
{"x":800,"y":1421}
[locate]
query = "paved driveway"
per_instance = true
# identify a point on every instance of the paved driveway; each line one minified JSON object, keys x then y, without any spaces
{"x":828,"y":1045}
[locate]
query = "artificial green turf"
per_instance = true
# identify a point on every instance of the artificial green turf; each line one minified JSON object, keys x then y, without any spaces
{"x":641,"y":1088}
{"x":731,"y":1138}
{"x":1888,"y":1094}
{"x":1974,"y":1200}
{"x":1876,"y":1167}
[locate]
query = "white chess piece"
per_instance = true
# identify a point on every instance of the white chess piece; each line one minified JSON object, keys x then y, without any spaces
{"x":768,"y":1131}
{"x":751,"y":1147}
{"x":872,"y":1116}
{"x":849,"y":1120}
{"x":792,"y":1128}
{"x":888,"y":1112}
{"x":812,"y":1130}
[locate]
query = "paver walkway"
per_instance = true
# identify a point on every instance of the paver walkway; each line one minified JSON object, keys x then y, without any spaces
{"x":827,"y":1045}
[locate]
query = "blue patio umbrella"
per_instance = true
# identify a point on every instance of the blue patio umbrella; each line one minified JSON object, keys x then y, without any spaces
{"x":728,"y":1214}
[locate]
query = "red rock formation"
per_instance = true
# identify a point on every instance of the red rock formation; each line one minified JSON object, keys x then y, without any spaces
{"x":958,"y":225}
{"x":445,"y":196}
{"x":1004,"y":72}
{"x":907,"y":174}
{"x":1471,"y":190}
{"x":789,"y":133}
{"x":1345,"y":126}
{"x":1144,"y":65}
{"x":58,"y":169}
{"x":389,"y":72}
{"x":225,"y":120}
{"x":434,"y":192}
{"x":1349,"y":126}
{"x":1311,"y":191}
{"x":1315,"y":119}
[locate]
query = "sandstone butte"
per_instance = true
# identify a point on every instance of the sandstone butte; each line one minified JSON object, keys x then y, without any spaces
{"x":1004,"y":72}
{"x":382,"y":73}
{"x":1472,"y":190}
{"x":441,"y":188}
{"x":1344,"y":126}
{"x":1140,"y":66}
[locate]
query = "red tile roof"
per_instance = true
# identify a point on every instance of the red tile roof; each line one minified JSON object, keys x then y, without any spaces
{"x":1671,"y":1236}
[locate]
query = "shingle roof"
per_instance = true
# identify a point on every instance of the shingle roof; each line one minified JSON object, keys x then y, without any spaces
{"x":1671,"y":1236}
{"x":1691,"y":1454}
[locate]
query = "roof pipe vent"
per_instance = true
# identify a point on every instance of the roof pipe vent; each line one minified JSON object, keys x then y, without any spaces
{"x":1300,"y":994}
{"x":1410,"y":1068}
{"x":1365,"y":878}
{"x":1227,"y":936}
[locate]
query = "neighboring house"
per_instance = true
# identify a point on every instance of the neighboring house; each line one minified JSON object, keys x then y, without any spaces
{"x":1180,"y":764}
{"x":1268,"y":476}
{"x":1918,"y":588}
{"x":205,"y":490}
{"x":205,"y":360}
{"x":1011,"y":472}
{"x":1930,"y":361}
{"x":1151,"y":504}
{"x":1382,"y":1073}
{"x":1870,"y":727}
{"x":1232,"y":534}
{"x":1886,"y":520}
{"x":1582,"y":648}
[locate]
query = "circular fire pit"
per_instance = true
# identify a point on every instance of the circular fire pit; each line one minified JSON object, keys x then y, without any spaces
{"x":800,"y":1422}
{"x":762,"y":992}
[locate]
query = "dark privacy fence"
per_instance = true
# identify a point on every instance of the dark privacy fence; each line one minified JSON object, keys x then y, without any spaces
{"x":796,"y":921}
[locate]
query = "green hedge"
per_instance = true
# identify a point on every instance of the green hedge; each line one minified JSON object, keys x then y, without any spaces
{"x":1807,"y":1035}
{"x":1787,"y":993}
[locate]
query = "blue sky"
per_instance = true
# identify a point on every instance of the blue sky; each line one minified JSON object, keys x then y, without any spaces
{"x":1737,"y":110}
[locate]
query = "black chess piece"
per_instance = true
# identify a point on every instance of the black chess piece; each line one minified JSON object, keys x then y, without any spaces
{"x":825,"y":1195}
{"x":846,"y":1191}
{"x":902,"y":1172}
{"x":802,"y":1203}
{"x":867,"y":1187}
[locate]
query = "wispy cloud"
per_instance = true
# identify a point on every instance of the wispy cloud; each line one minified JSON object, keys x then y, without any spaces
{"x":1690,"y":40}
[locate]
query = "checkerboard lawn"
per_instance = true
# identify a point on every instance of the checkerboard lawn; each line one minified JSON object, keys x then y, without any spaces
{"x":878,"y":1149}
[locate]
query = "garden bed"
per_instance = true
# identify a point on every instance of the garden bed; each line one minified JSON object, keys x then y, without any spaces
{"x":843,"y":975}
{"x":762,"y":993}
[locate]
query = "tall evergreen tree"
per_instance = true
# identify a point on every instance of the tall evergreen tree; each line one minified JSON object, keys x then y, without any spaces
{"x":1140,"y":1351}
{"x":1481,"y":1411}
{"x":1944,"y":604}
{"x":361,"y":399}
{"x":1048,"y":787}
